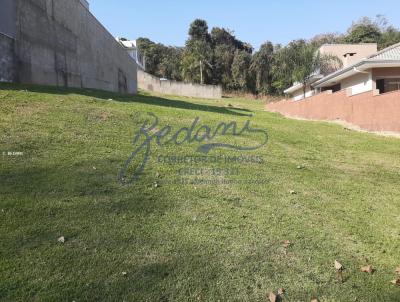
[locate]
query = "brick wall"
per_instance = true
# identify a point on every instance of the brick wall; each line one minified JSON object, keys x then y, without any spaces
{"x":369,"y":112}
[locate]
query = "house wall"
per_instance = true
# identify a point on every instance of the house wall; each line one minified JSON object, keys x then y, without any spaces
{"x":299,"y":94}
{"x":366,"y":110}
{"x":61,"y":43}
{"x":358,"y":83}
{"x":386,"y":72}
{"x":381,"y":73}
{"x":151,"y":83}
{"x":361,"y":51}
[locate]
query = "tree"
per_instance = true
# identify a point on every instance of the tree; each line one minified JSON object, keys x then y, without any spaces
{"x":223,"y":59}
{"x":225,"y":46}
{"x":327,"y":38}
{"x":283,"y":65}
{"x":377,"y":31}
{"x":198,"y":55}
{"x":196,"y":62}
{"x":389,"y":37}
{"x":152,"y":52}
{"x":161,"y":60}
{"x":199,"y":30}
{"x":307,"y":61}
{"x":170,"y":65}
{"x":241,"y":75}
{"x":364,"y":31}
{"x":219,"y":58}
{"x":261,"y":65}
{"x":281,"y":77}
{"x":222,"y":36}
{"x":207,"y":58}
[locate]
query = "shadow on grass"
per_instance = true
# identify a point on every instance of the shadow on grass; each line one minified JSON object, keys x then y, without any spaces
{"x":140,"y":98}
{"x":78,"y":180}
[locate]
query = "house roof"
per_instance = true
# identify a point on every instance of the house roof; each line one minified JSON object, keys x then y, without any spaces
{"x":347,"y":44}
{"x":390,"y":53}
{"x":126,"y":43}
{"x":297,"y":86}
{"x":388,"y":57}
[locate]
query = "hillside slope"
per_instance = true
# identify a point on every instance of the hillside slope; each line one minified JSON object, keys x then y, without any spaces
{"x":333,"y":193}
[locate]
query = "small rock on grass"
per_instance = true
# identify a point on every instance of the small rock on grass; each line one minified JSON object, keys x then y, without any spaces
{"x":61,"y":239}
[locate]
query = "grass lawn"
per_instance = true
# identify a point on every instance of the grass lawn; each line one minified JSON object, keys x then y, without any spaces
{"x":192,"y":242}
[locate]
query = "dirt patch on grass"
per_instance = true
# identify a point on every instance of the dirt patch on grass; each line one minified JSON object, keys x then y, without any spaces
{"x":30,"y":109}
{"x":95,"y":116}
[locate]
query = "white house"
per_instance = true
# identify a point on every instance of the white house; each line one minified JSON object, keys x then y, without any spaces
{"x":132,"y":50}
{"x":378,"y":72}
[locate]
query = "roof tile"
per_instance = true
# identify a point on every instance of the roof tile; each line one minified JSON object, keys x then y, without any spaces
{"x":390,"y":53}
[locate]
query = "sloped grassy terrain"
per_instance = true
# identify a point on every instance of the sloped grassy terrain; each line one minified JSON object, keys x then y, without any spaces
{"x":334,"y":194}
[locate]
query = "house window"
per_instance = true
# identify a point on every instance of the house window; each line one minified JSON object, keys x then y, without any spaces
{"x":380,"y":85}
{"x":334,"y":88}
{"x":388,"y":85}
{"x":392,"y":84}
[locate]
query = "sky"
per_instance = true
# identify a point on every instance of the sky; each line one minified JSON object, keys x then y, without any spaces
{"x":253,"y":21}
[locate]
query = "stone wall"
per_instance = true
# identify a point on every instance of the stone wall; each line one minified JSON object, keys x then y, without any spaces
{"x":60,"y":43}
{"x":366,"y":110}
{"x":151,"y":83}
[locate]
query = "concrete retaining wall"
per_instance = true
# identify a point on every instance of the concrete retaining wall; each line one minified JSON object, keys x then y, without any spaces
{"x":7,"y":63}
{"x":7,"y":17}
{"x":368,"y":111}
{"x":151,"y":83}
{"x":59,"y":42}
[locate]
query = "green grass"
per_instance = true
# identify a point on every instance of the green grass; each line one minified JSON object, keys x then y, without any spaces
{"x":191,"y":242}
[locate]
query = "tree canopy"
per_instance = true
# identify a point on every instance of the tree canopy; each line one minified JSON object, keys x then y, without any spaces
{"x":218,"y":57}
